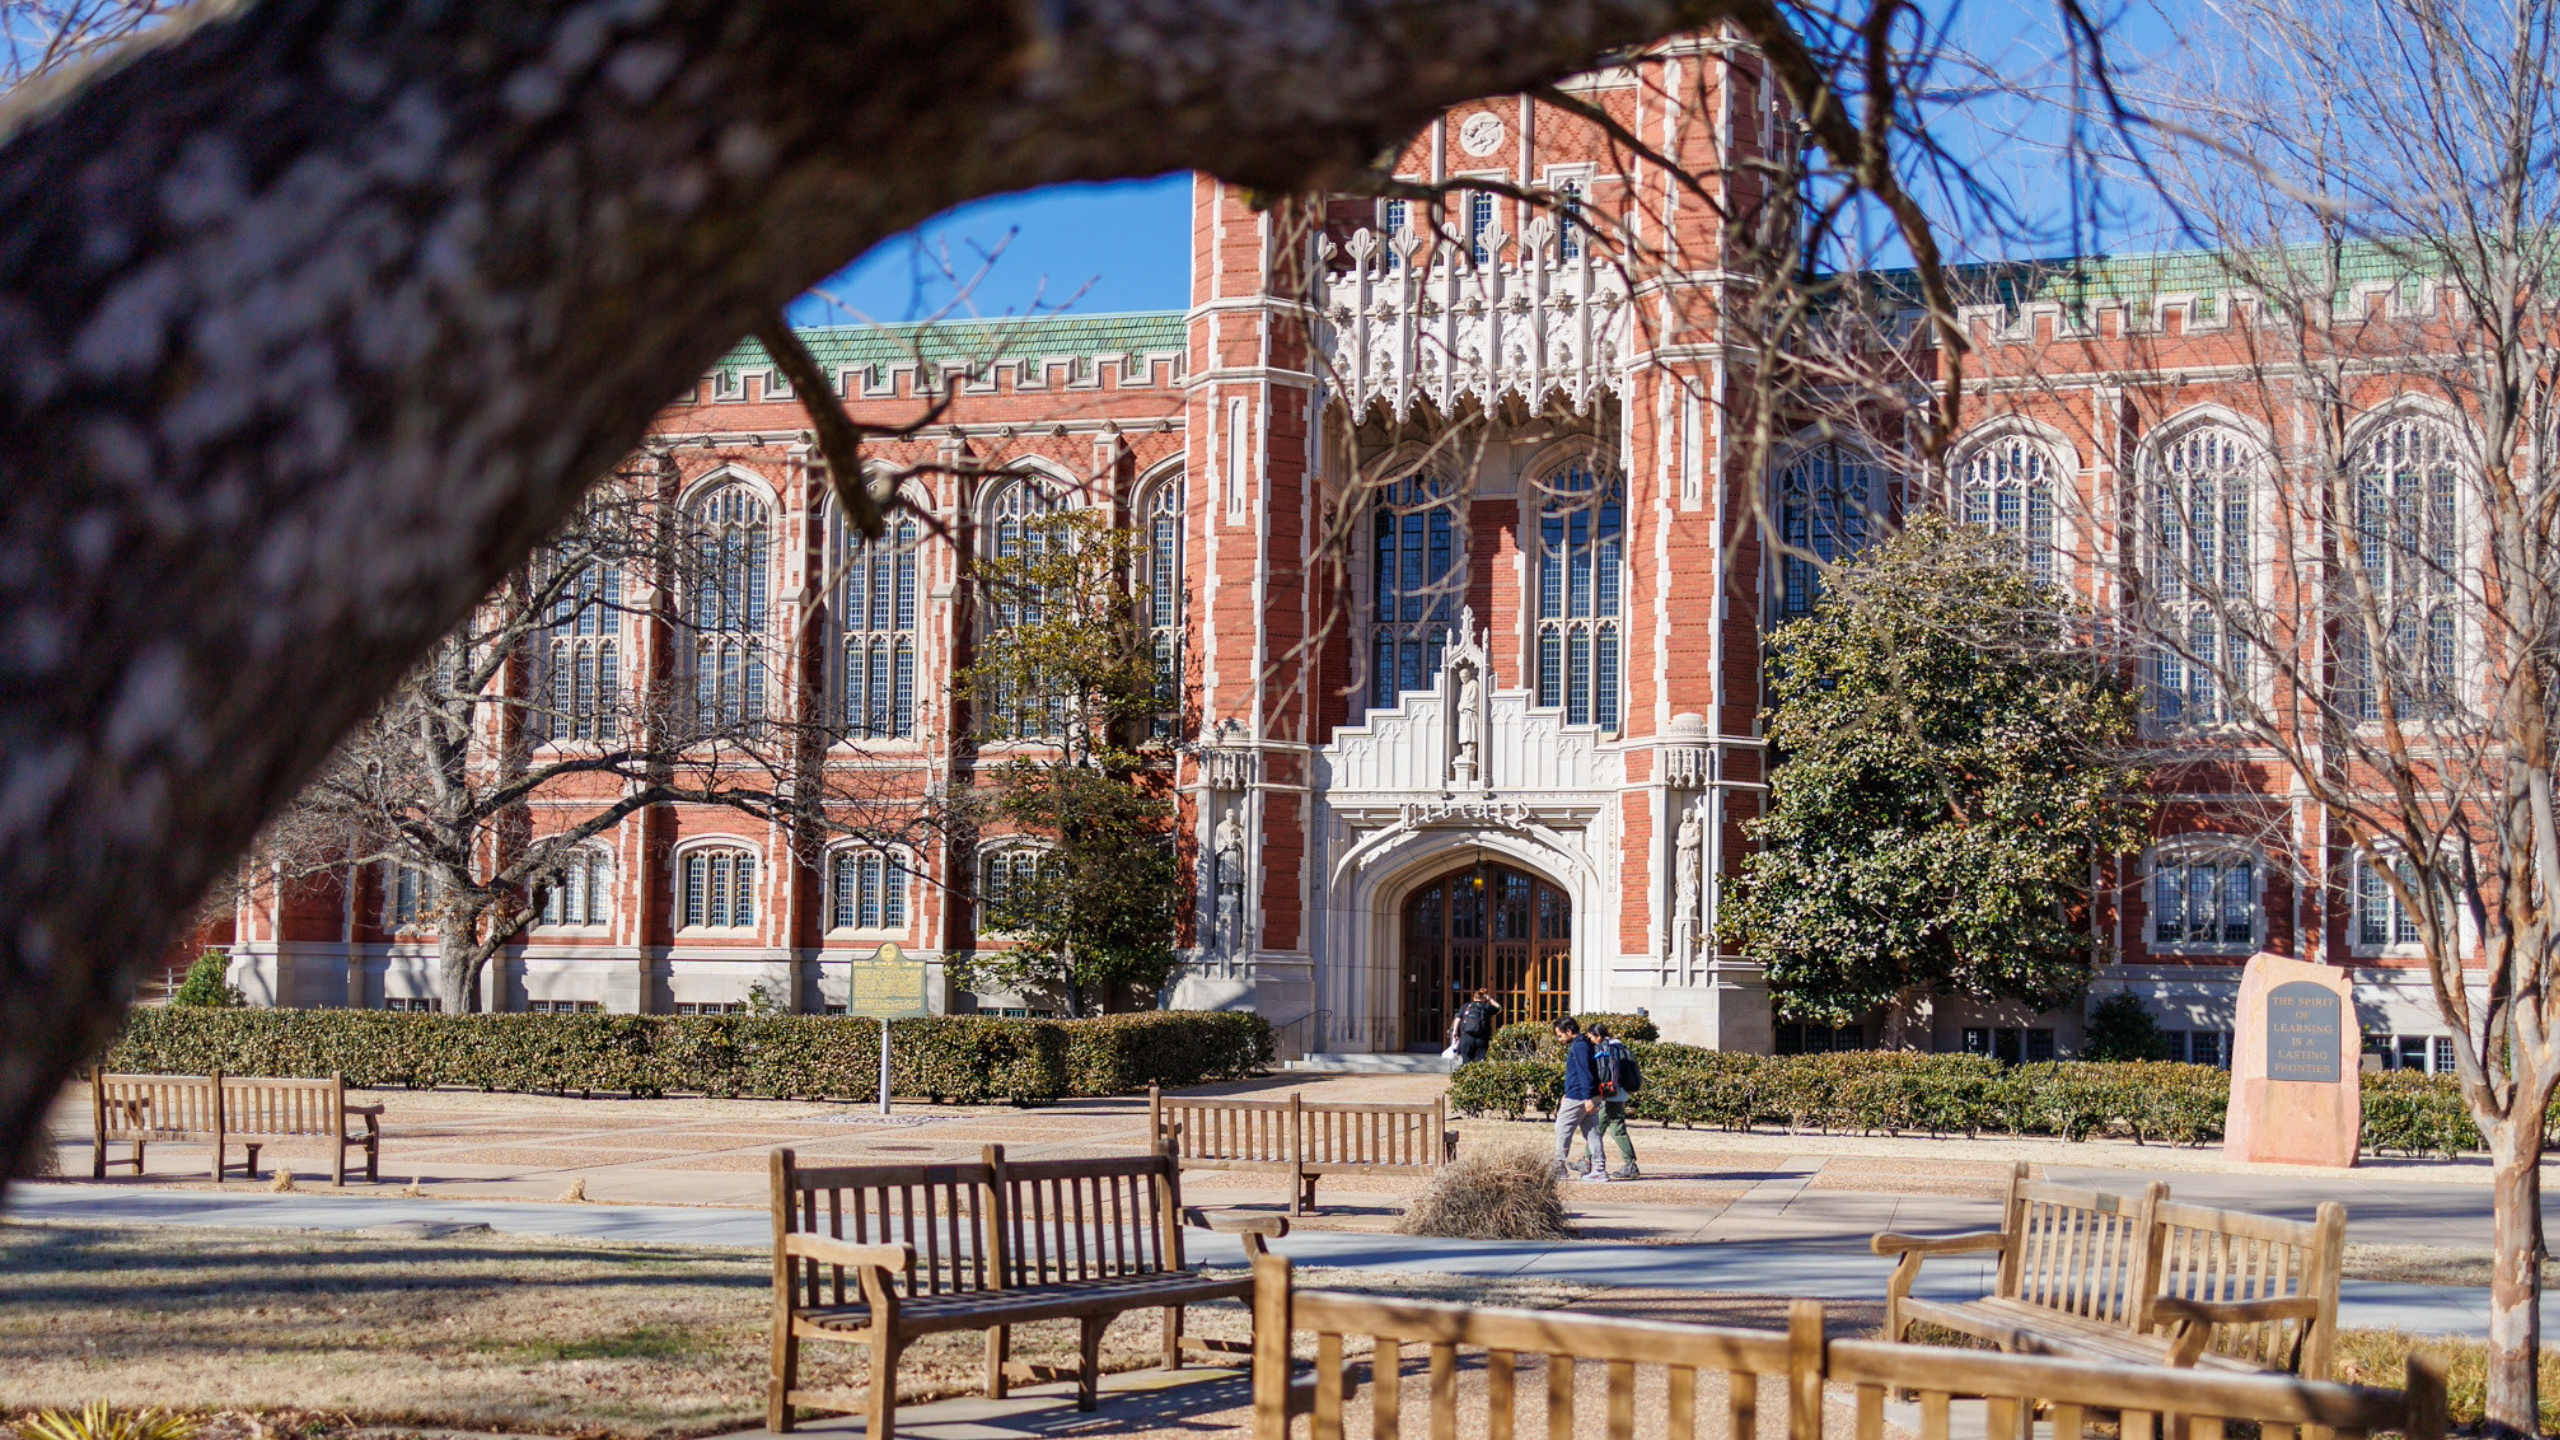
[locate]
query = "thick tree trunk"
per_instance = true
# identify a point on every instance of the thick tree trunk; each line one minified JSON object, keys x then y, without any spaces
{"x":458,"y":966}
{"x":2515,"y":1277}
{"x":316,"y":314}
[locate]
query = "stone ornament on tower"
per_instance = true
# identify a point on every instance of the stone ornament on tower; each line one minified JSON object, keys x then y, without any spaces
{"x":1465,"y":673}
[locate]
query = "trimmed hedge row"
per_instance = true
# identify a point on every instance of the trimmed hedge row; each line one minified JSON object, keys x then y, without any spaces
{"x":1529,"y":1038}
{"x":964,"y":1058}
{"x":1869,"y":1091}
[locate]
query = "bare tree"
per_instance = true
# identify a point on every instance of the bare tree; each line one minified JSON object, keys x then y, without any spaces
{"x":629,"y":664}
{"x":2352,"y":570}
{"x":316,"y":320}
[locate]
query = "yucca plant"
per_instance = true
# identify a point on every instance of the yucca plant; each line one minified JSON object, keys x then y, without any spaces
{"x":98,"y":1421}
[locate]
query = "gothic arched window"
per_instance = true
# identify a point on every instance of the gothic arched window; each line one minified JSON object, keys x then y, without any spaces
{"x":2407,"y":539}
{"x":867,"y":891}
{"x":733,"y":554}
{"x":582,"y":893}
{"x":581,"y":655}
{"x":1825,"y":494}
{"x":2007,"y":485}
{"x":876,"y":623}
{"x":2199,"y":490}
{"x":1017,"y":532}
{"x":719,"y":889}
{"x":1161,"y":515}
{"x":1417,"y":570}
{"x":1581,"y":594}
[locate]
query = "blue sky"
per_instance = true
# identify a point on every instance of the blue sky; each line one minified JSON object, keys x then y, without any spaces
{"x":1092,"y":249}
{"x":1096,"y":249}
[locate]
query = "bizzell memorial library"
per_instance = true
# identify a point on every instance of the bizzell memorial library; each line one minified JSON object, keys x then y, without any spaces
{"x":1511,"y":739}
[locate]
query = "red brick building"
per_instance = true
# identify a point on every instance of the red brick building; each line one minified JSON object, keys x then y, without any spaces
{"x":1495,"y":722}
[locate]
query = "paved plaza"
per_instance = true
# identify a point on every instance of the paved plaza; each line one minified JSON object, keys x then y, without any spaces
{"x":1762,"y":1213}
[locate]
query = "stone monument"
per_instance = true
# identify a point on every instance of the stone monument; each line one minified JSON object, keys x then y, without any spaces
{"x":2296,"y":1098}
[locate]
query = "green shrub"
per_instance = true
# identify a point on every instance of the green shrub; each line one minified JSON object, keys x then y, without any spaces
{"x":2121,"y":1028}
{"x":208,"y":985}
{"x":968,"y":1059}
{"x":1525,"y":1038}
{"x":1898,"y":1091}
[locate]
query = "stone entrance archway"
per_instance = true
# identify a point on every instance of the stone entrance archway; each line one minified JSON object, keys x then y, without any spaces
{"x":1487,"y":926}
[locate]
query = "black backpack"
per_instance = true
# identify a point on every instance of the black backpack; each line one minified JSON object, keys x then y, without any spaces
{"x":1476,"y":1021}
{"x":1615,"y":1065}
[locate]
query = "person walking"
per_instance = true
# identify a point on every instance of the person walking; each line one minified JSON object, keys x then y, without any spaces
{"x":1578,"y":1113}
{"x":1476,"y":1024}
{"x":1613,"y":1066}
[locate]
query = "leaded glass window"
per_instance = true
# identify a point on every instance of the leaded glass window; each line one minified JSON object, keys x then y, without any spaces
{"x":876,"y":608}
{"x":1016,"y":531}
{"x":868,"y":891}
{"x":2407,"y":534}
{"x":2007,"y":485}
{"x":582,"y":656}
{"x":1418,"y":559}
{"x":582,"y":893}
{"x":1581,"y":595}
{"x":1825,"y":495}
{"x":719,"y":889}
{"x":729,"y":610}
{"x":1161,"y":513}
{"x":2381,"y":919}
{"x":2199,"y":490}
{"x":2204,"y":900}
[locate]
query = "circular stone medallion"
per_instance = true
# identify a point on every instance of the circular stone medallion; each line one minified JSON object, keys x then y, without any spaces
{"x":1481,"y":134}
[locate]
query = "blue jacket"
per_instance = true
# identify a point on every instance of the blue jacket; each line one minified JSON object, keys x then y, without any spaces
{"x":1581,"y":1076}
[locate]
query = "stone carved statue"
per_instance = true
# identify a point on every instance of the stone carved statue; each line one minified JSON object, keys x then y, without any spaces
{"x":1686,"y":868}
{"x":1468,"y":765}
{"x":1228,"y":847}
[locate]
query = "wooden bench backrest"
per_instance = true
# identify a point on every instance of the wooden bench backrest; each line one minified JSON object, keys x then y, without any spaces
{"x":1440,"y":1331}
{"x":256,"y":1106}
{"x":1254,"y":1131}
{"x":990,"y":1225}
{"x":2232,"y":1255}
{"x":1389,"y":1137}
{"x":2014,"y":1386}
{"x":153,"y":1106}
{"x":1297,"y":1131}
{"x":2081,"y":1252}
{"x":1090,"y":1219}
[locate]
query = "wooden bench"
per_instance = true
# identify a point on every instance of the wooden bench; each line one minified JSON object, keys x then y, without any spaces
{"x":2142,"y":1280}
{"x":1306,"y":1141}
{"x":217,"y":1109}
{"x":879,"y":1255}
{"x":2142,"y":1402}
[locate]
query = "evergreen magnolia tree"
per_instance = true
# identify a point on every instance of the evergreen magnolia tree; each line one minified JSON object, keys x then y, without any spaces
{"x":1947,"y":770}
{"x":1068,"y":670}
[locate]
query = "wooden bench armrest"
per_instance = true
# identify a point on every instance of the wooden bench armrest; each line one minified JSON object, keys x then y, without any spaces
{"x":369,"y":1111}
{"x":2167,"y":1308}
{"x":827,"y":1250}
{"x":1976,"y":1243}
{"x":1232,"y":1222}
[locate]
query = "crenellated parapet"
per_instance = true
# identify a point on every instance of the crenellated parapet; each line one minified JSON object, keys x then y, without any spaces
{"x":1415,"y":320}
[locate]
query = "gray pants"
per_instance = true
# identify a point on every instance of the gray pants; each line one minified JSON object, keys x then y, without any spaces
{"x":1572,"y":1120}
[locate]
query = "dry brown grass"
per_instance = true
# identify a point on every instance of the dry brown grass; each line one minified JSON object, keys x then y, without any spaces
{"x":321,"y":1333}
{"x":1491,"y":1192}
{"x":2464,"y":1265}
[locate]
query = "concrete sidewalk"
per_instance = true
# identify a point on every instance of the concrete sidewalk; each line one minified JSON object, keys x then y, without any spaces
{"x":1807,"y":1263}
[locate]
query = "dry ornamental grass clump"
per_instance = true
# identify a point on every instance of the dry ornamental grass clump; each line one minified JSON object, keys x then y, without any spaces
{"x":1491,"y":1193}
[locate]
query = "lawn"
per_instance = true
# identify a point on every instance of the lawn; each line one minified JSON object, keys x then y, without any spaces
{"x":473,"y":1331}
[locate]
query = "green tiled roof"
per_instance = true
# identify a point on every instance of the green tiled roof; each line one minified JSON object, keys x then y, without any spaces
{"x":2108,"y":279}
{"x":974,"y":342}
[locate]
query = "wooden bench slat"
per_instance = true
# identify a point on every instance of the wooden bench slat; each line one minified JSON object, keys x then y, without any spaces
{"x":2080,"y":1270}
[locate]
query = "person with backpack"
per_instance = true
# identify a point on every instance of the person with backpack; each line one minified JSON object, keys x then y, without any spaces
{"x":1614,"y":1071}
{"x":1578,"y":1113}
{"x":1474,"y":1028}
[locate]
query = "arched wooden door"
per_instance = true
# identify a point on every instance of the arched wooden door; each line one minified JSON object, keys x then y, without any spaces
{"x":1486,"y":926}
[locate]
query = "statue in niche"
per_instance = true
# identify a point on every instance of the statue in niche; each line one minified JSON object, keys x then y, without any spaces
{"x":1468,"y":763}
{"x":1689,"y":864}
{"x":1228,"y":847}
